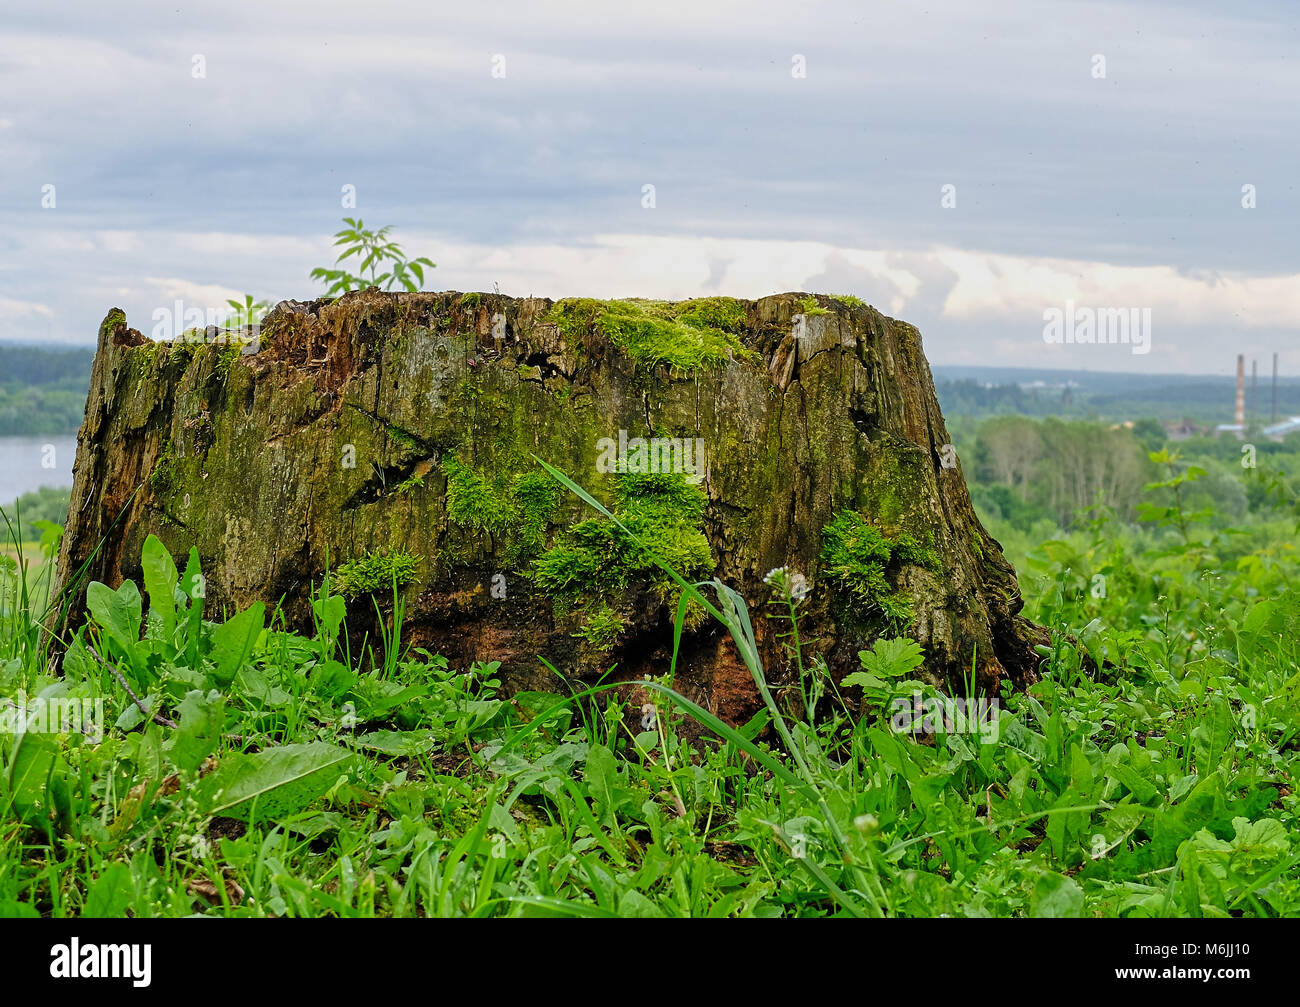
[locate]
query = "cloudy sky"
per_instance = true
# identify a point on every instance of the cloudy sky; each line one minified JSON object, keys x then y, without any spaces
{"x":1098,"y":154}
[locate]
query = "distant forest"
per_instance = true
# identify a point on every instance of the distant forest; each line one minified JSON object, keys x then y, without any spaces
{"x":1113,"y":397}
{"x":43,"y":391}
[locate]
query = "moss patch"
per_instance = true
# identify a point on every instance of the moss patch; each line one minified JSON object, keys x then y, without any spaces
{"x":687,"y":336}
{"x":474,"y":501}
{"x":596,"y":559}
{"x":376,"y":572}
{"x":164,"y":469}
{"x":860,"y":561}
{"x":517,"y":508}
{"x":403,"y":437}
{"x":409,"y":484}
{"x":226,"y":358}
{"x":112,"y":320}
{"x":810,"y":307}
{"x":537,"y":496}
{"x":601,"y":627}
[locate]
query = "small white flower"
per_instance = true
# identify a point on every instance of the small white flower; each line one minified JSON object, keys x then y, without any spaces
{"x":792,"y":586}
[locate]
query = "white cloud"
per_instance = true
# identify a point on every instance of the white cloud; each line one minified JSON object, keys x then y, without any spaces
{"x":988,"y":286}
{"x":959,"y":297}
{"x":1000,"y":286}
{"x":11,"y":308}
{"x":195,"y":295}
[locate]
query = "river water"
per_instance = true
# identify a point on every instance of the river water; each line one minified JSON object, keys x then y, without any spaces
{"x":28,"y":463}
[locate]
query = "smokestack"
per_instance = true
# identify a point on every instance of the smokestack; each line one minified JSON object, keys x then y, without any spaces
{"x":1254,"y":390}
{"x":1273,"y":415}
{"x":1239,"y":414}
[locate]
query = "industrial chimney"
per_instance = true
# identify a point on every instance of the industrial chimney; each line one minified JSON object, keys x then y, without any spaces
{"x":1239,"y":416}
{"x":1273,"y":412}
{"x":1254,"y":390}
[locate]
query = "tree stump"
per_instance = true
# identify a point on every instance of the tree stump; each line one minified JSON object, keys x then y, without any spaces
{"x":393,"y":438}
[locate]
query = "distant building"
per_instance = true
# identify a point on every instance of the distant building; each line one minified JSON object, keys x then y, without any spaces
{"x":1279,"y":430}
{"x":1180,"y":430}
{"x":1238,"y":430}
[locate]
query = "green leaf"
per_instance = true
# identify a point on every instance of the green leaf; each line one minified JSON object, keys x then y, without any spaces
{"x":603,"y":782}
{"x":1265,"y":840}
{"x":890,"y":658}
{"x":531,"y":704}
{"x":330,"y":612}
{"x":117,"y":612}
{"x":1081,"y":775}
{"x":191,"y":587}
{"x":1142,"y":789}
{"x":332,"y":679}
{"x":38,"y":781}
{"x":198,"y":731}
{"x":131,"y":716}
{"x":633,"y":905}
{"x":1258,"y":615}
{"x":110,"y":894}
{"x":1056,"y":897}
{"x":51,"y":536}
{"x":233,"y":642}
{"x":864,"y":679}
{"x":1212,"y":736}
{"x":398,"y":742}
{"x":273,"y":783}
{"x":160,"y":581}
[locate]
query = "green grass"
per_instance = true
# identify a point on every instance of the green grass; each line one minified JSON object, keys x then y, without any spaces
{"x":282,"y":774}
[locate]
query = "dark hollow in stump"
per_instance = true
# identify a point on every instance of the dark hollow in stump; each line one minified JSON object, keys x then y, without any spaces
{"x":393,"y":437}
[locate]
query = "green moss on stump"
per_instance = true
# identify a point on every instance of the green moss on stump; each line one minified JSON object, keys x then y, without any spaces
{"x":858,"y":559}
{"x":403,"y":438}
{"x":112,"y":320}
{"x":226,"y":358}
{"x":601,"y":627}
{"x":410,"y":483}
{"x":477,"y":502}
{"x":537,"y":496}
{"x":810,"y":307}
{"x":517,"y":508}
{"x":689,"y":336}
{"x":376,"y":572}
{"x":597,"y":559}
{"x":164,"y":469}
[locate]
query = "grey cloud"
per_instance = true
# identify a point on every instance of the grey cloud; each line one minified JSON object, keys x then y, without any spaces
{"x":1144,"y":167}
